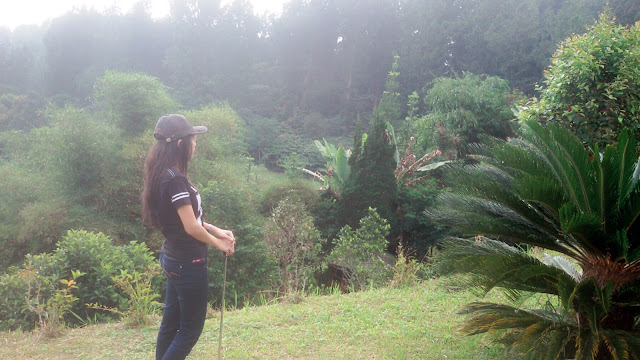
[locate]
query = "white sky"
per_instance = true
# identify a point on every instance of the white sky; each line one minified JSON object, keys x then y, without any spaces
{"x":19,"y":12}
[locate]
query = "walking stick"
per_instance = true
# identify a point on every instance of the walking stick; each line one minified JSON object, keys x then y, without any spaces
{"x":224,"y":283}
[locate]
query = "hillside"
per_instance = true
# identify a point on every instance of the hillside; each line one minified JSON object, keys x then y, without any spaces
{"x":410,"y":323}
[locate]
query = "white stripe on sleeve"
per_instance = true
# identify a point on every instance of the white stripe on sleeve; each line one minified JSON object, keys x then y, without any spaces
{"x":179,"y":196}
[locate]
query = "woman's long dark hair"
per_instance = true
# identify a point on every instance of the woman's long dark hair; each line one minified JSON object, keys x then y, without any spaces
{"x":162,"y":155}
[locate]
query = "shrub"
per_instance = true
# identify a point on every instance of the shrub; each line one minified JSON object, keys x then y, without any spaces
{"x":230,"y":203}
{"x":94,"y":255}
{"x":294,"y":189}
{"x":360,"y":253}
{"x":30,"y":298}
{"x":250,"y":269}
{"x":407,"y":271}
{"x":49,"y":303}
{"x":593,"y":84}
{"x":141,"y":303}
{"x":294,"y":243}
{"x":12,"y":301}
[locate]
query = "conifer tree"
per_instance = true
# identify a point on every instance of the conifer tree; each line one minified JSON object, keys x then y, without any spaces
{"x":372,"y":182}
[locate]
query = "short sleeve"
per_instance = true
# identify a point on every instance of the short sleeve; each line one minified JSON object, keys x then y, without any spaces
{"x":178,"y":192}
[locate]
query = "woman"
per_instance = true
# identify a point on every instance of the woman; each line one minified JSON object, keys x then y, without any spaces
{"x":170,"y":203}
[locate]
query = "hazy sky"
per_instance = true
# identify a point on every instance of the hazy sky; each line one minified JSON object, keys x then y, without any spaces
{"x":18,"y":12}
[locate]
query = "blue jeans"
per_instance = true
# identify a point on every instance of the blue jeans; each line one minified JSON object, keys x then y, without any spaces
{"x":185,"y":308}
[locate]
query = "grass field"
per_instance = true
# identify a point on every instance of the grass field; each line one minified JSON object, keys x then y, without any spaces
{"x":408,"y":323}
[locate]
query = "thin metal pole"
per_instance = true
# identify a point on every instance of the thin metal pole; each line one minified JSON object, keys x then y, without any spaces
{"x":224,"y":283}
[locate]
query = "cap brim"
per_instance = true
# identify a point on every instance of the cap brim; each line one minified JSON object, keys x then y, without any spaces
{"x":199,"y":129}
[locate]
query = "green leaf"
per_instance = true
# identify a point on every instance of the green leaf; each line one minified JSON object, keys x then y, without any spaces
{"x":433,"y":166}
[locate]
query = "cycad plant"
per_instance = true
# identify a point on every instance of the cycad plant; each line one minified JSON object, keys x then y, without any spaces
{"x":547,"y":215}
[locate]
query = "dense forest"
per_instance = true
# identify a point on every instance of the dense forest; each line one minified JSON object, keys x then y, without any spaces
{"x":334,"y":128}
{"x":311,"y":70}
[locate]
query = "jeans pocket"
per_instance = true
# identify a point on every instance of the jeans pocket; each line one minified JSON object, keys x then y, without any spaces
{"x":172,"y":270}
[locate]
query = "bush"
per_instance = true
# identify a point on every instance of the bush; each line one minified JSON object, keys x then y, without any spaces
{"x":294,"y":244}
{"x":230,"y":203}
{"x":593,"y":84}
{"x":12,"y":301}
{"x":30,"y":298}
{"x":141,"y":302}
{"x":250,"y":269}
{"x":419,"y":233}
{"x":94,"y":255}
{"x":294,"y":189}
{"x":360,"y":253}
{"x":407,"y":271}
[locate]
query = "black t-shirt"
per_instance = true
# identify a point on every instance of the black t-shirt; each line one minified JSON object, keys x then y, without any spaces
{"x":174,"y":192}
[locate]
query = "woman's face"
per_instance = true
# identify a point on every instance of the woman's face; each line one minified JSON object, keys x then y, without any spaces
{"x":193,"y":144}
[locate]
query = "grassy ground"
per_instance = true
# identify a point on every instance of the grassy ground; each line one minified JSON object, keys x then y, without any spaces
{"x":410,"y":323}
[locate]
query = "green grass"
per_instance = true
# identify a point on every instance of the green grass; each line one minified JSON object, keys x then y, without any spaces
{"x":409,"y":323}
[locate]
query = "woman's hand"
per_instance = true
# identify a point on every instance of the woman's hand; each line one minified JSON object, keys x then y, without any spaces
{"x":229,"y":247}
{"x":207,"y":233}
{"x":225,"y":235}
{"x":219,"y":233}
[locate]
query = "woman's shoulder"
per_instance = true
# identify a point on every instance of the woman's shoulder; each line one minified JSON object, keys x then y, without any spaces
{"x":171,"y":174}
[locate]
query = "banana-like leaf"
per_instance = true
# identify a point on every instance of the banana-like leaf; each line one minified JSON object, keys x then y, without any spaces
{"x":392,"y":133}
{"x":433,"y":166}
{"x":342,"y":168}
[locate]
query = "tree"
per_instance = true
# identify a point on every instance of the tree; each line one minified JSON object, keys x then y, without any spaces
{"x":132,"y":101}
{"x":460,"y":109}
{"x":372,"y":183}
{"x":593,"y":84}
{"x":368,"y":35}
{"x":549,"y":216}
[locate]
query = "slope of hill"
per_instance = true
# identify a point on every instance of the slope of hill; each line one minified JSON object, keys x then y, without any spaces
{"x":409,"y":323}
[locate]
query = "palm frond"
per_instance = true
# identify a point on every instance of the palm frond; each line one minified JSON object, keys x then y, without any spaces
{"x":630,"y":211}
{"x":568,"y":158}
{"x":530,"y":331}
{"x":494,"y":264}
{"x":564,"y":264}
{"x":633,"y":342}
{"x":522,"y":157}
{"x":587,"y":344}
{"x":615,"y":344}
{"x":477,"y":216}
{"x":557,"y":345}
{"x":627,"y":159}
{"x":539,"y":189}
{"x":585,"y":227}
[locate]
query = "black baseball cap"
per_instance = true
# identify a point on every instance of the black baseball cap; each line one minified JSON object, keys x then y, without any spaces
{"x":172,"y":127}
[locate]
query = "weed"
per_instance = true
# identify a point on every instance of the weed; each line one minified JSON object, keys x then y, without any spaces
{"x":48,"y":303}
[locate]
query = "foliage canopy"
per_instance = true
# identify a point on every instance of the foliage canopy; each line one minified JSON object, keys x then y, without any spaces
{"x":593,"y":83}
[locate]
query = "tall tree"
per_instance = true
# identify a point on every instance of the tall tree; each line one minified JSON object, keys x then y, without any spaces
{"x":368,"y":37}
{"x":372,"y":183}
{"x":305,"y":38}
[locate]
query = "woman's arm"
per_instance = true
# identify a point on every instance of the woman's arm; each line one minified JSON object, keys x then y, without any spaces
{"x":197,"y":231}
{"x":217,"y":232}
